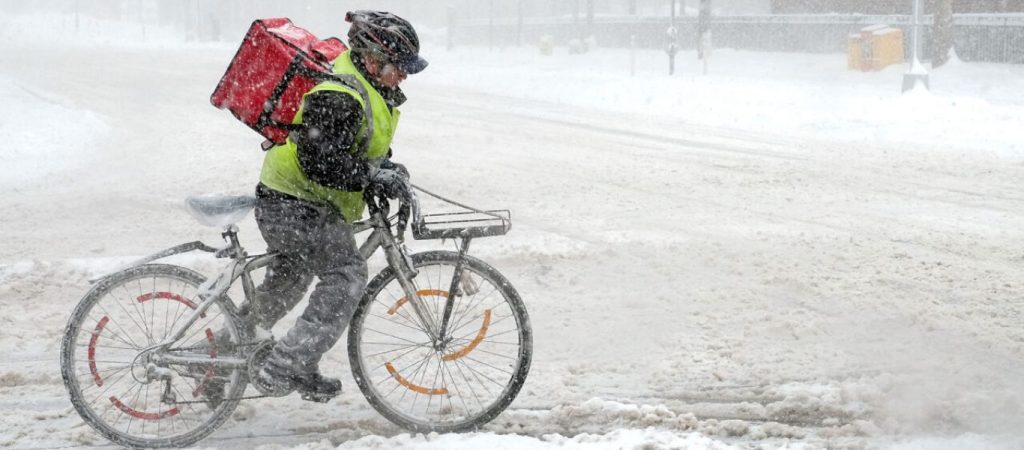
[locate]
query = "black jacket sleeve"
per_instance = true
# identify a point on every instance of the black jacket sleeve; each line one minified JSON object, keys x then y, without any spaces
{"x":330,"y":121}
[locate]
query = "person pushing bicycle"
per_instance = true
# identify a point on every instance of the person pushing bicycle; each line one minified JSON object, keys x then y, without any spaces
{"x":311,"y":190}
{"x":158,"y":355}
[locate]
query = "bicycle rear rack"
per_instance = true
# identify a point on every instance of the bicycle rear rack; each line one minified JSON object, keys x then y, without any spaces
{"x":471,"y":224}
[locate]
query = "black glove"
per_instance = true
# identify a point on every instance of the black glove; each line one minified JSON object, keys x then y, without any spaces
{"x":391,"y":182}
{"x":391,"y":165}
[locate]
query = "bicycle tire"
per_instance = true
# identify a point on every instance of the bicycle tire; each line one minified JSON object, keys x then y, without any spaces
{"x":182,"y":284}
{"x":364,"y":372}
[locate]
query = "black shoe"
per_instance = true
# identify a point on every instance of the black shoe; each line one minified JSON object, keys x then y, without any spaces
{"x":273,"y":381}
{"x":314,"y":387}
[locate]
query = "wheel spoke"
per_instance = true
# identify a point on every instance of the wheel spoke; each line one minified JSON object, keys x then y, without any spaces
{"x":398,"y":323}
{"x":474,"y":320}
{"x":478,"y":374}
{"x":470,"y":384}
{"x":469,"y":305}
{"x":116,"y":323}
{"x":135,"y":307}
{"x":458,"y":391}
{"x":499,"y":355}
{"x":398,"y":349}
{"x":492,"y":367}
{"x":402,"y":312}
{"x":389,"y":335}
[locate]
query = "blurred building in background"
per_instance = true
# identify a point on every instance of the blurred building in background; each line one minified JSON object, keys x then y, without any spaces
{"x":889,"y":6}
{"x":984,"y":30}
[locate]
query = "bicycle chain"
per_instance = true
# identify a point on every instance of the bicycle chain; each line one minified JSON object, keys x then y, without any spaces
{"x":204,"y":347}
{"x":251,"y":397}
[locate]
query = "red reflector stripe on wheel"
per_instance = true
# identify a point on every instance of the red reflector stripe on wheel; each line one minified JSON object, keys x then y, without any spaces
{"x":142,"y":415}
{"x":169,"y":296}
{"x":92,"y":350}
{"x":209,"y":372}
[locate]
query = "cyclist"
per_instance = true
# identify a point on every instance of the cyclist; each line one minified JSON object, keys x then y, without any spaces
{"x":310,"y":191}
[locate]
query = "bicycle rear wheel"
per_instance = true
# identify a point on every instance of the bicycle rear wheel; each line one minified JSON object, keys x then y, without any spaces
{"x":457,"y":386}
{"x":124,"y":392}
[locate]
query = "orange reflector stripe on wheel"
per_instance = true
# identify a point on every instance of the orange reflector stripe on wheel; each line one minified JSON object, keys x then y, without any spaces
{"x":475,"y":342}
{"x":413,"y":387}
{"x":421,"y":293}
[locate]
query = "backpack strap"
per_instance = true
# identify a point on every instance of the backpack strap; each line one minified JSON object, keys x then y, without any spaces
{"x":351,"y":82}
{"x":298,"y":68}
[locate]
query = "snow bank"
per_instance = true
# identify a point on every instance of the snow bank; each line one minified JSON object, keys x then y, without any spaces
{"x":648,"y":438}
{"x":43,"y":134}
{"x":965,"y":441}
{"x":61,"y":29}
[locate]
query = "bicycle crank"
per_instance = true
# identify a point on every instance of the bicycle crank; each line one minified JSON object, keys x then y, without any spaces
{"x":256,"y":360}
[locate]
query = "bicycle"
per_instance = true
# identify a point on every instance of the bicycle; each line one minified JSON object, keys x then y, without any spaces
{"x":430,"y":345}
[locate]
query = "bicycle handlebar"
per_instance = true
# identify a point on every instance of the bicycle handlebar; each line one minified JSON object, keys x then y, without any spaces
{"x":380,"y":204}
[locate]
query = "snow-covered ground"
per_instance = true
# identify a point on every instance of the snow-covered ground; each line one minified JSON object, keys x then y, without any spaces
{"x":781,"y":254}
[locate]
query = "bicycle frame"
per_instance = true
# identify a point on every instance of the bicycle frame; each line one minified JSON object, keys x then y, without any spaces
{"x":242,"y":266}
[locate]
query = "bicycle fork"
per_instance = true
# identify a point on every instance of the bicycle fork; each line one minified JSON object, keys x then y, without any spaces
{"x":399,"y":260}
{"x":405,"y":273}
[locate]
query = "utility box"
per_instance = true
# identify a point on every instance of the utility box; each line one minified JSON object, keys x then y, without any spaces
{"x":546,"y":44}
{"x":875,"y":48}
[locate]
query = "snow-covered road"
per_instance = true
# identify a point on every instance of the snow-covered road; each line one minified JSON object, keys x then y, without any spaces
{"x":753,"y":288}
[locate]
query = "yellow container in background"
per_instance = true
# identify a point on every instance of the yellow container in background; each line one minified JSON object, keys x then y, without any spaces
{"x":886,"y":48}
{"x":875,"y":48}
{"x":855,"y":53}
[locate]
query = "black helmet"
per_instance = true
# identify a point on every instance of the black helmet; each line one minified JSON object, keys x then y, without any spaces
{"x":386,"y":36}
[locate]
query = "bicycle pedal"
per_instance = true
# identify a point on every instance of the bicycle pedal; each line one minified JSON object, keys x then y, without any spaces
{"x":317,"y":398}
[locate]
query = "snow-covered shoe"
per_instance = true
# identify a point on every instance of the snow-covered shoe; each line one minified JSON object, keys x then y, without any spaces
{"x":273,"y":381}
{"x":317,"y":388}
{"x":313,"y":386}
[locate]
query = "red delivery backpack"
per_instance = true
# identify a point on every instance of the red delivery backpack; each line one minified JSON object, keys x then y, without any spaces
{"x":276,"y":65}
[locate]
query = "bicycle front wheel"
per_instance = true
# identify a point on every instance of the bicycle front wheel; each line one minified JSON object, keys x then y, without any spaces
{"x":463,"y":382}
{"x":122,"y":388}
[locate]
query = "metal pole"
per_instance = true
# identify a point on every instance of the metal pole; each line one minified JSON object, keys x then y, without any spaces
{"x":576,"y":20}
{"x":451,"y":27}
{"x":917,"y":30}
{"x":918,"y":75}
{"x":590,"y":19}
{"x":142,"y":21}
{"x":673,"y":34}
{"x":704,"y":34}
{"x":519,"y":25}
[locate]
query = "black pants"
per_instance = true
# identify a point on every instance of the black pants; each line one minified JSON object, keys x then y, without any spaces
{"x":310,"y":240}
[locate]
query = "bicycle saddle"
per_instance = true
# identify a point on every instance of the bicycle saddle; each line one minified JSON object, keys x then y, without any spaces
{"x":219,"y":211}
